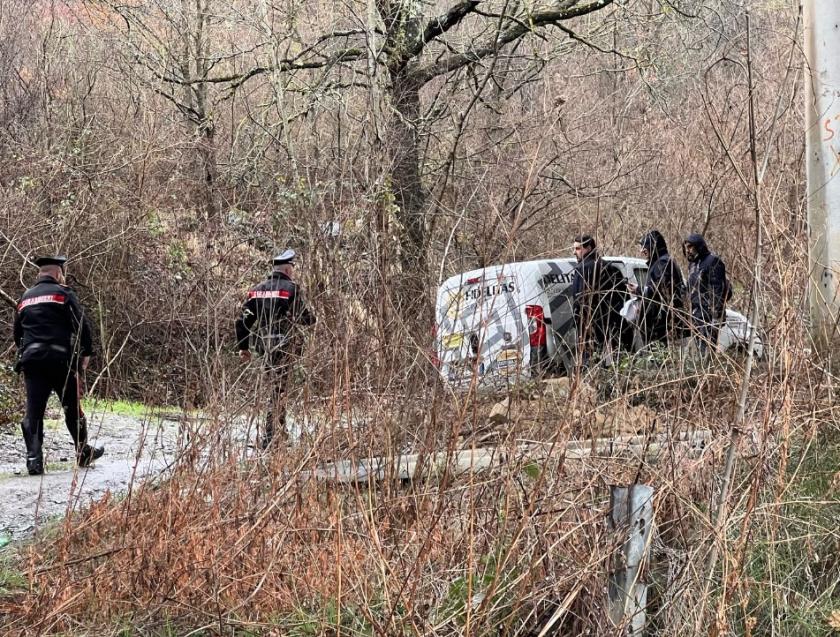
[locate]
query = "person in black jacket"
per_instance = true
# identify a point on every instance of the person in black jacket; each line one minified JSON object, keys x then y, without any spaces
{"x":54,"y":342}
{"x":660,"y":313}
{"x":708,"y":290}
{"x":598,"y":293}
{"x":270,"y":316}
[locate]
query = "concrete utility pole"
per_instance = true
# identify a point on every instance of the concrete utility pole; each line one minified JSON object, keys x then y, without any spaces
{"x":822,"y":48}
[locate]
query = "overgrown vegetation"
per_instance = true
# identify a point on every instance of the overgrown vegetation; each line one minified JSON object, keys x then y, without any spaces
{"x":792,"y":577}
{"x":262,"y":546}
{"x":10,"y":396}
{"x":127,"y":407}
{"x":170,"y":192}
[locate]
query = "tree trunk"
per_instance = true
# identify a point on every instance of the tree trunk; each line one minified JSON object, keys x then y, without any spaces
{"x":409,"y":194}
{"x":208,"y":172}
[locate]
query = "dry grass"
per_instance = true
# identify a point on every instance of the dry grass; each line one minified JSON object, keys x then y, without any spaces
{"x":228,"y":546}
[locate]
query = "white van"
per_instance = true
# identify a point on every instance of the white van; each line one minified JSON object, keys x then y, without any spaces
{"x":508,"y":322}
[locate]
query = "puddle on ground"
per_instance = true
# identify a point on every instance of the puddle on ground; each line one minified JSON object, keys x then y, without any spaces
{"x":135,"y":448}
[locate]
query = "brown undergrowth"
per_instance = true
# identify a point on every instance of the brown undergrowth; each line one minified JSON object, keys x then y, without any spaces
{"x":229,"y":544}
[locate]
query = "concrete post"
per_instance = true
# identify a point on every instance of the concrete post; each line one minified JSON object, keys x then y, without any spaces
{"x":822,"y":72}
{"x":631,"y":514}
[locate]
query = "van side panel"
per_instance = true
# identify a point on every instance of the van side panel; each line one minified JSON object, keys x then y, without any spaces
{"x":482,"y":327}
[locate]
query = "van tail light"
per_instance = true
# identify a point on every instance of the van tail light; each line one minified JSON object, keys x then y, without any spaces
{"x":536,"y":325}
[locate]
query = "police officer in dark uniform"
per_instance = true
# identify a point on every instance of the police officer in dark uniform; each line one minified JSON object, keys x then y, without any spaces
{"x":273,"y":311}
{"x":54,"y":342}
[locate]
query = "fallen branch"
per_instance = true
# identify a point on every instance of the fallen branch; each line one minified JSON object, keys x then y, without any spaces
{"x":414,"y":466}
{"x":8,"y":299}
{"x":78,"y":560}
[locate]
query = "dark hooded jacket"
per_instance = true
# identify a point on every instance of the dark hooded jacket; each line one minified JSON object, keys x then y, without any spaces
{"x":662,"y":296}
{"x":707,"y":284}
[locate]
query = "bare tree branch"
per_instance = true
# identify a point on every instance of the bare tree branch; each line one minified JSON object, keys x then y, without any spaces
{"x":7,"y":299}
{"x":574,"y":36}
{"x":441,"y":24}
{"x":237,"y":79}
{"x":537,"y":19}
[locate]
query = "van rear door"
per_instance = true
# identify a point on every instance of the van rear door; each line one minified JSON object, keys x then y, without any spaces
{"x":556,"y":279}
{"x":481,"y":327}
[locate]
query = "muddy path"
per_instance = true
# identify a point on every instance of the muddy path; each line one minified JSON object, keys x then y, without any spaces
{"x":135,"y":449}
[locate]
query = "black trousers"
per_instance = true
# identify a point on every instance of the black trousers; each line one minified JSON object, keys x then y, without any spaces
{"x":614,"y":331}
{"x":276,"y":373}
{"x":41,"y":379}
{"x":707,"y":336}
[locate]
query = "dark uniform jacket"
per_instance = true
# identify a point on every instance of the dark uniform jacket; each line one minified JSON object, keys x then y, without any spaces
{"x":598,"y":296}
{"x":272,"y":310}
{"x":50,"y":325}
{"x":707,"y":284}
{"x":662,"y":297}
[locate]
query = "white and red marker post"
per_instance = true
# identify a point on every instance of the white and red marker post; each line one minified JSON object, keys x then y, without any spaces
{"x":822,"y":106}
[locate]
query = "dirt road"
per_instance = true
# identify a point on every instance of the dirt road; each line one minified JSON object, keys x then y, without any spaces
{"x":135,"y":448}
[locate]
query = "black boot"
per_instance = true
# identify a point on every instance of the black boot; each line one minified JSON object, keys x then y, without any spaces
{"x":33,"y":436}
{"x":268,"y":436}
{"x":85,"y":454}
{"x":270,"y":439}
{"x":88,"y":454}
{"x":272,"y":434}
{"x":35,"y":465}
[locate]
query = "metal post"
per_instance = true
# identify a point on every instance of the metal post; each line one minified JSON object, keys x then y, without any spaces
{"x":822,"y":50}
{"x":631,"y":514}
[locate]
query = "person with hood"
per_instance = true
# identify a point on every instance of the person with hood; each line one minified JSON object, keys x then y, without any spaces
{"x":661,"y":298}
{"x":708,"y":290}
{"x":598,"y":294}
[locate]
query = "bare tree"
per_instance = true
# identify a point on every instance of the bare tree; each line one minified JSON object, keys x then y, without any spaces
{"x":413,"y":42}
{"x":171,"y":41}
